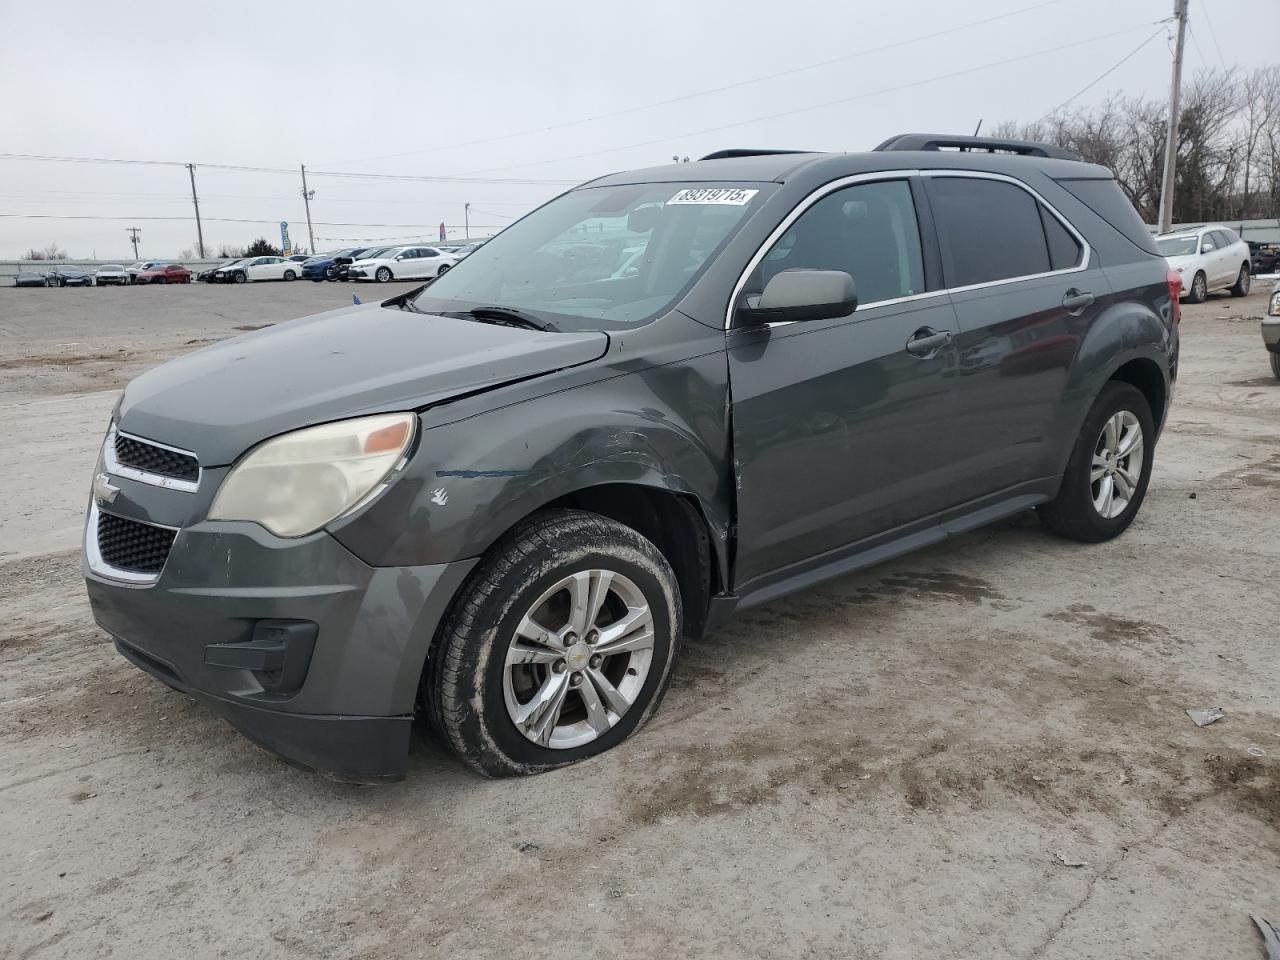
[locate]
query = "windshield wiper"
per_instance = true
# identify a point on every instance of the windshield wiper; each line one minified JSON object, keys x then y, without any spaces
{"x":507,"y":317}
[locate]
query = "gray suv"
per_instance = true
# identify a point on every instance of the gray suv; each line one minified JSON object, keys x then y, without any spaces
{"x":507,"y":497}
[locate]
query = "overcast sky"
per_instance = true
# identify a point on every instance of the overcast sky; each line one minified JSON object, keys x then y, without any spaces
{"x":494,"y":89}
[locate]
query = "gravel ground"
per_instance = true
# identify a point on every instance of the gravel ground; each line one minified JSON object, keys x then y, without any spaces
{"x":976,"y":750}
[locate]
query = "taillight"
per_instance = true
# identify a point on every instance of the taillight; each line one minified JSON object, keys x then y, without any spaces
{"x":1174,"y":280}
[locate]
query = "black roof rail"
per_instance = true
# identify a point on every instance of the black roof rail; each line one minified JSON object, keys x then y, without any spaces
{"x":741,"y":152}
{"x":940,"y":141}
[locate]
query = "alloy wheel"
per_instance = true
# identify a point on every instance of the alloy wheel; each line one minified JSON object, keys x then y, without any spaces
{"x":1117,"y":464}
{"x":579,"y":659}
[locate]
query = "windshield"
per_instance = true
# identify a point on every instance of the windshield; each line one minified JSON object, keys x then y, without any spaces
{"x":111,"y":266}
{"x":1177,"y":246}
{"x":599,"y":257}
{"x":375,"y":252}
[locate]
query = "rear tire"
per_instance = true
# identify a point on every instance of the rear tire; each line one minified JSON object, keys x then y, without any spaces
{"x":1081,"y":510}
{"x":1199,"y":290}
{"x":472,"y":688}
{"x":1275,"y":364}
{"x":289,"y":275}
{"x":1241,"y":287}
{"x":239,"y":277}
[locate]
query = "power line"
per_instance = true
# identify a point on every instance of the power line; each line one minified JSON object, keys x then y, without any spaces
{"x":720,"y":89}
{"x":1102,"y":76}
{"x":319,"y":223}
{"x":831,"y":103}
{"x":315,"y":173}
{"x":1213,"y":34}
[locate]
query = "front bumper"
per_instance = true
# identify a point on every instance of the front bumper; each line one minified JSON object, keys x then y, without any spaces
{"x":357,"y":273}
{"x":234,"y":611}
{"x":1271,"y":333}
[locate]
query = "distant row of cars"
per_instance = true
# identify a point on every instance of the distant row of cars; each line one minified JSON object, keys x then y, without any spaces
{"x":107,"y":275}
{"x":378,"y":264}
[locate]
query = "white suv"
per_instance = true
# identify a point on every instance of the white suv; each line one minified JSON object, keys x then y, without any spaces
{"x":1208,"y":258}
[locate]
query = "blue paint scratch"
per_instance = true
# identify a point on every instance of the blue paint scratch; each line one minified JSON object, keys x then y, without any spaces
{"x":475,"y":474}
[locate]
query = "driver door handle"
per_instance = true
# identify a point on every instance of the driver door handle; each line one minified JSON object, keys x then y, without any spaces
{"x":1076,"y":301}
{"x":927,"y":341}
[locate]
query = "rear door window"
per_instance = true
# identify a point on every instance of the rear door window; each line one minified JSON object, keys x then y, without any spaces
{"x":989,"y":229}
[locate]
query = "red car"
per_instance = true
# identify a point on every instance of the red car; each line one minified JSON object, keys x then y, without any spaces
{"x":169,"y":273}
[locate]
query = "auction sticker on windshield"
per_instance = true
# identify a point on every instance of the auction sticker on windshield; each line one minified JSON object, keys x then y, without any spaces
{"x":733,"y":196}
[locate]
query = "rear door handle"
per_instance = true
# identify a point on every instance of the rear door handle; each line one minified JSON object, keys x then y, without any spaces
{"x":1076,"y":301}
{"x":927,"y":341}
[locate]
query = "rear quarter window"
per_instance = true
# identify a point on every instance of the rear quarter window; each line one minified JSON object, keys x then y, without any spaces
{"x":1107,"y":200}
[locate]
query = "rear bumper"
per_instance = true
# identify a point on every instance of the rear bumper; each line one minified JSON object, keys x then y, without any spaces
{"x":301,"y":646}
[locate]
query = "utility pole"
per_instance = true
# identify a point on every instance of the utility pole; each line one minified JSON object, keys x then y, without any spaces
{"x":466,"y":220}
{"x":133,"y":235}
{"x":306,"y":199}
{"x":1171,"y":143}
{"x":191,"y":169}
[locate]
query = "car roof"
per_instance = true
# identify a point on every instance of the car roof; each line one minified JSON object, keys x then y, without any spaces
{"x":780,"y":167}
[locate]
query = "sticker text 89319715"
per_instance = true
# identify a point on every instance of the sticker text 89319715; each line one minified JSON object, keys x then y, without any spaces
{"x":734,"y":196}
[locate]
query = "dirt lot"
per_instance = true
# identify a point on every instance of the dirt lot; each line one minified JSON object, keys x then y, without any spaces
{"x":977,"y":750}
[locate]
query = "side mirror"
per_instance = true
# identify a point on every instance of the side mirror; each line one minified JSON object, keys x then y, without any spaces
{"x":795,"y":295}
{"x":1206,"y":247}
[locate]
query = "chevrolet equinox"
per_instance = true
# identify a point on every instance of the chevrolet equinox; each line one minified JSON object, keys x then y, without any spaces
{"x":507,"y":497}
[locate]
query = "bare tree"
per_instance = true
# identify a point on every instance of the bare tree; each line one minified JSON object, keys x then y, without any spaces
{"x":51,"y":252}
{"x":1228,"y":145}
{"x":1260,"y":93}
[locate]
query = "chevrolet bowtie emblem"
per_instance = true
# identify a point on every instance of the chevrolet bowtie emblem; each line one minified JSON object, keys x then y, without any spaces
{"x":104,"y":491}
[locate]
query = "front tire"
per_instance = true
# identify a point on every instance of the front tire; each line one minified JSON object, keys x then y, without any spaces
{"x":1241,"y":287}
{"x":1275,"y":364}
{"x":239,"y":278}
{"x":558,"y":648}
{"x":1199,"y":291}
{"x":1106,"y":478}
{"x":383,"y":275}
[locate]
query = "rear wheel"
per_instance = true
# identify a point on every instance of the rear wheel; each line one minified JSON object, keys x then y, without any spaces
{"x":289,"y":275}
{"x":1199,"y":289}
{"x":1275,"y":364}
{"x":239,"y":277}
{"x":1241,"y":287}
{"x":559,"y":647}
{"x":444,"y":268}
{"x":1106,"y":478}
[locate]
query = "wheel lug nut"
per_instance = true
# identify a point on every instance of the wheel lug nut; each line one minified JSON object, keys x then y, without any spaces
{"x":596,"y":661}
{"x":593,"y":637}
{"x":558,"y":666}
{"x":575,"y":680}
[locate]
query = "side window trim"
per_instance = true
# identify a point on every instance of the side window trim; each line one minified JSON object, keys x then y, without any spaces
{"x":1086,"y":257}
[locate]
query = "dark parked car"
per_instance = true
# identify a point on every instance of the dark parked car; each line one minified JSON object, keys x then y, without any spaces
{"x":26,"y":278}
{"x":69,"y":277}
{"x":1271,"y":329}
{"x":329,"y":266}
{"x":1264,"y":257}
{"x":209,"y":275}
{"x":509,"y":497}
{"x":169,"y":273}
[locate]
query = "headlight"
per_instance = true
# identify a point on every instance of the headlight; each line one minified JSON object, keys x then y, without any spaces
{"x":300,"y":481}
{"x":1273,"y":307}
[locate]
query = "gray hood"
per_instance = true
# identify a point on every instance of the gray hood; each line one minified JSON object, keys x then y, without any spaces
{"x":221,"y":400}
